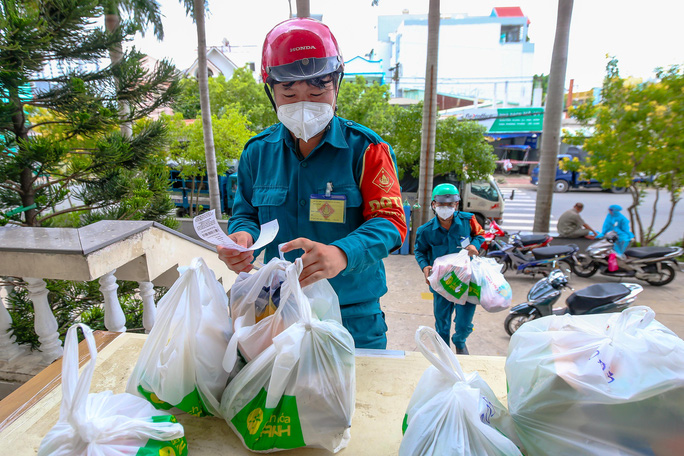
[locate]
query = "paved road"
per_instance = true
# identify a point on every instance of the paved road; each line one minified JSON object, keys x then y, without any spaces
{"x":519,"y":212}
{"x":408,"y":304}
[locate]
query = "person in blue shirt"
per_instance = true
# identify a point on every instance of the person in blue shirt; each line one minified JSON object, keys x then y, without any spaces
{"x":331,"y":183}
{"x":617,"y":222}
{"x":449,"y":232}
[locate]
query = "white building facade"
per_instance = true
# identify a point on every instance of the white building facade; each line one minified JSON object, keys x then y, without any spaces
{"x":487,"y":59}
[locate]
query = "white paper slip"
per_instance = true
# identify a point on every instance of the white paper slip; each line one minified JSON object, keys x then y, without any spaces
{"x":208,"y":229}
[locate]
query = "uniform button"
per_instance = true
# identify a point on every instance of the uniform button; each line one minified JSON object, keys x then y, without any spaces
{"x":302,"y":202}
{"x":304,"y":164}
{"x":349,"y":122}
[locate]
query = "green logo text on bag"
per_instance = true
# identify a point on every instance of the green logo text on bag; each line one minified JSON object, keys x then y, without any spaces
{"x":177,"y":447}
{"x":453,"y":285}
{"x":192,"y":403}
{"x":474,"y":290}
{"x":267,"y":428}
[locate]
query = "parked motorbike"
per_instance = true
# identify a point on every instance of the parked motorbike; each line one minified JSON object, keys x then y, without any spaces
{"x":594,"y":299}
{"x":490,"y":234}
{"x":655,"y":265}
{"x":540,"y":260}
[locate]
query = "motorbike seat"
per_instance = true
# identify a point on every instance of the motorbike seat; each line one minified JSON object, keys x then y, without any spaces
{"x":531,"y":239}
{"x":648,"y":252}
{"x":543,"y":253}
{"x":596,"y":295}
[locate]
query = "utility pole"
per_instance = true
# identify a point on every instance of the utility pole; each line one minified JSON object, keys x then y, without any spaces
{"x":303,"y":9}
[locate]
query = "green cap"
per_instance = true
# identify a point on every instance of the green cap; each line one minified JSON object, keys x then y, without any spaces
{"x":446,"y":193}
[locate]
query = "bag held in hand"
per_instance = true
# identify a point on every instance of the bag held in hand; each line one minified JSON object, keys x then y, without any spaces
{"x":300,"y":390}
{"x":450,"y":276}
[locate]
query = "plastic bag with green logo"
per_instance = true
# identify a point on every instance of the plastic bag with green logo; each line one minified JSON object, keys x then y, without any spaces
{"x":450,"y":276}
{"x":263,"y":288}
{"x":300,"y":391}
{"x":106,"y":424}
{"x":451,"y":413}
{"x":180,"y":363}
{"x":488,"y":287}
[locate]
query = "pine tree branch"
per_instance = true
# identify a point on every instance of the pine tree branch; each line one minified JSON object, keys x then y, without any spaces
{"x":84,"y":207}
{"x":48,"y":122}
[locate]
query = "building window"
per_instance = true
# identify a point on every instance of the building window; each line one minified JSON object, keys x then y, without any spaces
{"x":511,"y":34}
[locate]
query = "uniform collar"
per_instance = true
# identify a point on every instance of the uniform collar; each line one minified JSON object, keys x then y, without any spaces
{"x":333,"y":136}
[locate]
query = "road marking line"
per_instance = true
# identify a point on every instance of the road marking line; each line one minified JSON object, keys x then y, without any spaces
{"x":427,"y":296}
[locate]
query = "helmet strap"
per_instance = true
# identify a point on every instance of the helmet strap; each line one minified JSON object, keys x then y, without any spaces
{"x":270,"y":97}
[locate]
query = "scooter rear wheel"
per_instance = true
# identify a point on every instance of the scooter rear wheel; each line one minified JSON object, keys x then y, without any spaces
{"x":514,"y":321}
{"x":504,"y":262}
{"x":584,"y":267}
{"x":667,"y":275}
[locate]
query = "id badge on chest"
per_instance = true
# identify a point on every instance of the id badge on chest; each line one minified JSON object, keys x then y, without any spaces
{"x":330,"y":209}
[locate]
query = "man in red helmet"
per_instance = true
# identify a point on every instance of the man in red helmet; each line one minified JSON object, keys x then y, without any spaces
{"x":331,"y":183}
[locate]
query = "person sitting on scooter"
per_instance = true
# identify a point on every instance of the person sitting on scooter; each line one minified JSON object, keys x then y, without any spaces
{"x":448,"y":233}
{"x":617,"y":222}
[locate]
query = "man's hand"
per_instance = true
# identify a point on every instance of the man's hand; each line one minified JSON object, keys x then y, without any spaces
{"x":472,"y":250}
{"x":427,"y":270}
{"x":320,"y":261}
{"x":235,"y":260}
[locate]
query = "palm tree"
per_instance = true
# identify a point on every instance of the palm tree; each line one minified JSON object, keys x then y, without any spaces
{"x":143,"y":14}
{"x":427,"y":142}
{"x":195,"y":8}
{"x":552,"y":118}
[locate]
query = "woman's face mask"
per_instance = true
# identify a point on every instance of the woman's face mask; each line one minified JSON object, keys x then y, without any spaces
{"x":305,"y":119}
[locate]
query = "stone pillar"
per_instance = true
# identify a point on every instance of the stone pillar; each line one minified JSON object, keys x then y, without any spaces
{"x":114,"y":320}
{"x":9,"y":349}
{"x":149,"y":308}
{"x":45,"y":324}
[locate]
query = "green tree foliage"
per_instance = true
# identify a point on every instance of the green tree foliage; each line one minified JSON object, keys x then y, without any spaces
{"x":82,"y":154}
{"x":187,"y":147}
{"x":367,"y":104}
{"x":240,"y":92}
{"x":638,"y":130}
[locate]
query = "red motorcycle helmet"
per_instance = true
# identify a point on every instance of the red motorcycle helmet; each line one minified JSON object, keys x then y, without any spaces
{"x":298,"y":49}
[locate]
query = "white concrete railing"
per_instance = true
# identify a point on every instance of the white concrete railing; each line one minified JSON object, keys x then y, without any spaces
{"x":144,"y":252}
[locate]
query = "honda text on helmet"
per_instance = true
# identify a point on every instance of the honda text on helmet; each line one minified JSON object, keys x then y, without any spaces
{"x":302,"y":49}
{"x":445,"y":197}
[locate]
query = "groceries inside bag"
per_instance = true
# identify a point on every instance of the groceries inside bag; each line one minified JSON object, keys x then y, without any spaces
{"x":106,"y":424}
{"x":488,"y":287}
{"x":451,"y":413}
{"x":299,"y":391}
{"x":259,"y":316}
{"x":604,"y":384}
{"x":450,"y":276}
{"x":180,"y":362}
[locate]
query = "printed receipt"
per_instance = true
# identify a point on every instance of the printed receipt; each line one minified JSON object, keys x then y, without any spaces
{"x":208,"y":229}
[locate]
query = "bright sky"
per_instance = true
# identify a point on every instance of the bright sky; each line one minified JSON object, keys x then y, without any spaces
{"x":642,"y":35}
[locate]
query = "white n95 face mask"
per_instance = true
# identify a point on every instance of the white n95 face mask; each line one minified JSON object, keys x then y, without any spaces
{"x":444,"y":212}
{"x":305,"y":119}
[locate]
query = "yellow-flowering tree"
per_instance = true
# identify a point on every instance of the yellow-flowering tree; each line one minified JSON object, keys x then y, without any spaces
{"x":638,"y":130}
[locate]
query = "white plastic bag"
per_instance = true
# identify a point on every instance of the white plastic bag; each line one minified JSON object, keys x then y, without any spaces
{"x":180,"y":363}
{"x":488,"y":287}
{"x":453,"y":414}
{"x":605,"y":384}
{"x":105,"y":424}
{"x":300,"y":391}
{"x":255,"y":328}
{"x":450,"y":276}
